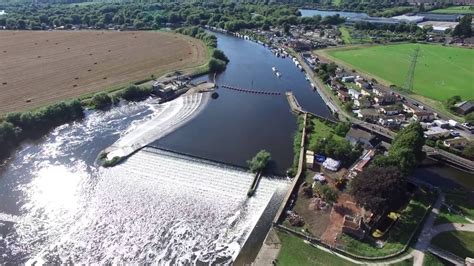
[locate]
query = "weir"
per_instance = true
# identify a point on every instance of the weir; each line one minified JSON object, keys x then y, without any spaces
{"x":169,"y":117}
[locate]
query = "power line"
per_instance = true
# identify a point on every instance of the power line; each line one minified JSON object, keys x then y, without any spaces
{"x":408,"y":85}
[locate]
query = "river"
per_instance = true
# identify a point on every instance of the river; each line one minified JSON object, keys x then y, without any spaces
{"x":325,"y":13}
{"x":157,"y":206}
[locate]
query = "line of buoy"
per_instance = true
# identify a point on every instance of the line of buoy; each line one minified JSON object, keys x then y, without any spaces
{"x":251,"y":91}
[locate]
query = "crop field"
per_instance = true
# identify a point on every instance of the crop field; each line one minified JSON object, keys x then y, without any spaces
{"x":39,"y":68}
{"x":455,"y":10}
{"x":440,"y":72}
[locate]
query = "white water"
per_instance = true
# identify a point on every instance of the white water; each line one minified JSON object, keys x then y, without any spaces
{"x":169,"y":117}
{"x":152,"y":208}
{"x":165,"y":208}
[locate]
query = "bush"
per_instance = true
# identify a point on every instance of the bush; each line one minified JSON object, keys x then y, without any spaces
{"x":259,"y":161}
{"x":218,"y":54}
{"x":216,"y":65}
{"x":134,"y":93}
{"x":17,"y":127}
{"x":101,"y":101}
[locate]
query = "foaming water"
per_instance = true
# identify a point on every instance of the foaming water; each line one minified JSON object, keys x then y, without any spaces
{"x":166,"y":208}
{"x":155,"y":207}
{"x":167,"y":118}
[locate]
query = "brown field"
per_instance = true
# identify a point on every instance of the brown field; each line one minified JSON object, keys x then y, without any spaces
{"x":39,"y":68}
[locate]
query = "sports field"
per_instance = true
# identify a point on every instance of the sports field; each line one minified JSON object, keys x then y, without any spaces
{"x":440,"y":72}
{"x":41,"y":67}
{"x":455,"y":10}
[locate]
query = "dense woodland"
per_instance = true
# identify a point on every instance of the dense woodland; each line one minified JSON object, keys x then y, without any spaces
{"x":231,"y":16}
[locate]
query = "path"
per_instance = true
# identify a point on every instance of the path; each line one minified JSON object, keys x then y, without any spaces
{"x":426,"y":232}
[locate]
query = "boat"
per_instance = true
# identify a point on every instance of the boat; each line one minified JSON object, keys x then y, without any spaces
{"x":278,"y":74}
{"x":274,"y":69}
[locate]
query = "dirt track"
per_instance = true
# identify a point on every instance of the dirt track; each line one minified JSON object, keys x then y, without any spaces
{"x":38,"y":68}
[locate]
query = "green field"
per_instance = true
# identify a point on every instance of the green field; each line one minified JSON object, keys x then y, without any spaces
{"x":295,"y":252}
{"x":455,"y":10}
{"x":440,"y":72}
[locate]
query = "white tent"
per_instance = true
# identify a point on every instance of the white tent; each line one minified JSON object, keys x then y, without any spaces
{"x":331,"y":164}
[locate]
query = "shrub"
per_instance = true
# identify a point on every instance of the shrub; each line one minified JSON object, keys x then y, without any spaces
{"x":216,"y":65}
{"x":218,"y":54}
{"x":101,"y":101}
{"x":259,"y":161}
{"x":134,"y":93}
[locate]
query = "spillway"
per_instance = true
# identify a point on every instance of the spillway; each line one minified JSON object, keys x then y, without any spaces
{"x":161,"y":207}
{"x":167,"y":118}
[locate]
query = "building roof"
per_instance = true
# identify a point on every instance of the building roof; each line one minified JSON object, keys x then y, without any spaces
{"x":465,"y":106}
{"x":412,"y":19}
{"x":359,"y":134}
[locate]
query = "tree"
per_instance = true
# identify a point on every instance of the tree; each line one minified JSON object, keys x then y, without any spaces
{"x":219,"y":54}
{"x":463,"y":29}
{"x":216,"y":65}
{"x":101,"y":100}
{"x":468,"y":152}
{"x":329,"y":194}
{"x":259,"y":161}
{"x":379,"y":189}
{"x":469,"y":118}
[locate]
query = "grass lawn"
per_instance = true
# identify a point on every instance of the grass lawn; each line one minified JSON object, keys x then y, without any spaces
{"x":456,"y":242}
{"x":345,"y":35}
{"x":440,"y":72}
{"x":458,"y":200}
{"x":320,"y":131}
{"x":295,"y":252}
{"x":398,"y":236}
{"x":432,"y":260}
{"x":455,"y":10}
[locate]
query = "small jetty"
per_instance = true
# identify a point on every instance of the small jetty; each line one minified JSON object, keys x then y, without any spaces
{"x":251,"y":91}
{"x":294,"y":105}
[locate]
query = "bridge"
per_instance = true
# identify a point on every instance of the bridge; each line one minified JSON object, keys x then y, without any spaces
{"x":250,"y":90}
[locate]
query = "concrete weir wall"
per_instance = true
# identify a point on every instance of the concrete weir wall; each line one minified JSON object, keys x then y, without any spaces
{"x":167,"y":118}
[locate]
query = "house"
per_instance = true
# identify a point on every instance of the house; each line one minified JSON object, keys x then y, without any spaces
{"x":363,"y":102}
{"x":391,"y":121}
{"x":390,"y":109}
{"x":336,"y":85}
{"x":355,"y":136}
{"x":385,"y":99}
{"x":363,"y":84}
{"x":410,"y":108}
{"x":348,"y":79}
{"x":423,"y":116}
{"x":343,"y":96}
{"x":369,"y":114}
{"x":354,"y":94}
{"x":366,"y":92}
{"x":441,"y":123}
{"x":464,"y":108}
{"x":378,"y":91}
{"x":436,"y":133}
{"x":353,"y":226}
{"x":456,"y":142}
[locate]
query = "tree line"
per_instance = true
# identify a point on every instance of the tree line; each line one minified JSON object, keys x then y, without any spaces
{"x":229,"y":16}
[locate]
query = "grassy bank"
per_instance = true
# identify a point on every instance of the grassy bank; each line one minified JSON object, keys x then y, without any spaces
{"x":294,"y":251}
{"x":457,"y":242}
{"x":460,"y":205}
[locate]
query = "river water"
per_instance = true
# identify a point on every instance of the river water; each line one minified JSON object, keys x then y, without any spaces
{"x":157,"y":206}
{"x":325,"y":13}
